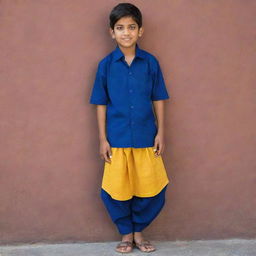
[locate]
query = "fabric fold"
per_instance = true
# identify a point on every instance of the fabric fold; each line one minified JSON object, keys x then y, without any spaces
{"x":134,"y":172}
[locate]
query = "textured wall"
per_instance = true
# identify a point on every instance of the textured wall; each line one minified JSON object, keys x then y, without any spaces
{"x":50,"y":169}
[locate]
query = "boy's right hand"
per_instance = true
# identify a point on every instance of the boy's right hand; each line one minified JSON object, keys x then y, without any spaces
{"x":105,"y":151}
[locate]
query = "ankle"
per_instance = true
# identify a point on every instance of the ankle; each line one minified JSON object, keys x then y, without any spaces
{"x":127,"y":237}
{"x":137,"y":236}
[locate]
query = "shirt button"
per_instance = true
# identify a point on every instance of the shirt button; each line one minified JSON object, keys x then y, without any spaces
{"x":130,"y":73}
{"x":132,"y":106}
{"x":130,"y":90}
{"x":132,"y":122}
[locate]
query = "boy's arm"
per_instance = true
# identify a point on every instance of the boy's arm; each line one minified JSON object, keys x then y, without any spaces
{"x":159,"y":111}
{"x":159,"y":138}
{"x":101,"y":116}
{"x":105,"y":149}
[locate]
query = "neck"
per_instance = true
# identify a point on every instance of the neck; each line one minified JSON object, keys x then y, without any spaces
{"x":128,"y":51}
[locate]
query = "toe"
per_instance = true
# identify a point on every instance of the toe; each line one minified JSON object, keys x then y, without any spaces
{"x":149,"y":248}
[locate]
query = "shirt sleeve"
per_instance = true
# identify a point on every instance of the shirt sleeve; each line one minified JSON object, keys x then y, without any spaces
{"x":159,"y":91}
{"x":99,"y":93}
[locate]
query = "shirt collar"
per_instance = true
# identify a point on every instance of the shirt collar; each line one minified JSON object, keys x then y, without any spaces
{"x":117,"y":53}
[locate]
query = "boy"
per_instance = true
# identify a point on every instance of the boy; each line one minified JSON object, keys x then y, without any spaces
{"x":127,"y":82}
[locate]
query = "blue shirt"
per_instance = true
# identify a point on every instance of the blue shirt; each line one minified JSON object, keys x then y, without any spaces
{"x":128,"y":92}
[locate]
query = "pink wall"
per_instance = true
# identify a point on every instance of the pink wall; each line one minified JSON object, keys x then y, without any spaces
{"x":50,"y":169}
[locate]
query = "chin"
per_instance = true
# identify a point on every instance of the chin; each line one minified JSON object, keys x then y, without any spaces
{"x":127,"y":45}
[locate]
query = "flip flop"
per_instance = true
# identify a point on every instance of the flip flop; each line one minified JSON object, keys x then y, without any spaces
{"x":144,"y":244}
{"x":124,"y":244}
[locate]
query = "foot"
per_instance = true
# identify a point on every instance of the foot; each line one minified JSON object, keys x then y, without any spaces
{"x":126,"y":245}
{"x":142,"y":244}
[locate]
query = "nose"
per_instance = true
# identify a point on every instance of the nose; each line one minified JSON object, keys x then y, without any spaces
{"x":126,"y":31}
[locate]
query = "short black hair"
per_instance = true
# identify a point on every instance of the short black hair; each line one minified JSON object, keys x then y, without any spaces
{"x":123,"y":10}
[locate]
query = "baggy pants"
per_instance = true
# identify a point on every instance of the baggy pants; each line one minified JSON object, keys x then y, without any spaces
{"x":135,"y":214}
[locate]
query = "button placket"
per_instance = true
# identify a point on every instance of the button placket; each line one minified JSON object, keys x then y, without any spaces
{"x":130,"y":89}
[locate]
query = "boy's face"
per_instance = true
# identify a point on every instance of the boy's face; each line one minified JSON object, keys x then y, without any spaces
{"x":126,"y":32}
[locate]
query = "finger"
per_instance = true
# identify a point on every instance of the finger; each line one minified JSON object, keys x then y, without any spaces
{"x":160,"y":149}
{"x":106,"y":157}
{"x":156,"y":148}
{"x":109,"y":153}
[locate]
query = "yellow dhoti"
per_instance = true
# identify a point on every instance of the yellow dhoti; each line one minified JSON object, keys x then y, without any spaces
{"x":134,"y":172}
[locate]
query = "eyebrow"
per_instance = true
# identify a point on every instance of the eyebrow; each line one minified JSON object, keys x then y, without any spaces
{"x":123,"y":25}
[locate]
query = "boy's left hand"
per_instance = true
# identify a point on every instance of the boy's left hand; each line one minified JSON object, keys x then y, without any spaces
{"x":159,"y":144}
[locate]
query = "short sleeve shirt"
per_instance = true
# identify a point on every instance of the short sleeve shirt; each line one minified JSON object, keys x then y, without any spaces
{"x":128,"y":92}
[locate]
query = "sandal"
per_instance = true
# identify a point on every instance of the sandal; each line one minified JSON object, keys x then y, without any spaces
{"x":145,"y":244}
{"x":124,"y":245}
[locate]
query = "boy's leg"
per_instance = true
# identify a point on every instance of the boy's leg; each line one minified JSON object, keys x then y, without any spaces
{"x":119,"y":211}
{"x":145,"y":210}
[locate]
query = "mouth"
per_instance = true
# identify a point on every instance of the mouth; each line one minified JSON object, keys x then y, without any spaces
{"x":126,"y":39}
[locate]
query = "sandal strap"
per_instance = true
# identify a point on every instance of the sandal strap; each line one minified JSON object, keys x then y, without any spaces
{"x":124,"y":244}
{"x":144,"y":242}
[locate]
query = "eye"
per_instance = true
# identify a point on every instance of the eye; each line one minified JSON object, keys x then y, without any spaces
{"x":118,"y":28}
{"x":133,"y":27}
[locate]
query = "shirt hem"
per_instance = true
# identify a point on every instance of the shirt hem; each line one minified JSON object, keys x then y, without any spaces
{"x":160,"y":98}
{"x":131,"y":146}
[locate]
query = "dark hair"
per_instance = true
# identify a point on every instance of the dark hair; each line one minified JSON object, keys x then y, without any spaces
{"x":122,"y":10}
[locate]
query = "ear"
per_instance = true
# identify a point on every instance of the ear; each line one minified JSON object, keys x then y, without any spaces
{"x":111,"y":32}
{"x":141,"y":31}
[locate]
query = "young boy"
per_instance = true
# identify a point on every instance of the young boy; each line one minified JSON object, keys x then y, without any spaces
{"x":129,"y":91}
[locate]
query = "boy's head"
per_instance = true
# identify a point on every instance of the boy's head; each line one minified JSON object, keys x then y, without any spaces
{"x":126,"y":24}
{"x":124,"y":10}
